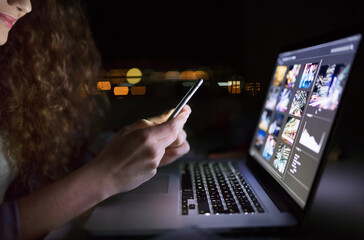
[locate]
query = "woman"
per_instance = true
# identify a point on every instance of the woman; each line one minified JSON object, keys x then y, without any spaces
{"x":48,"y":67}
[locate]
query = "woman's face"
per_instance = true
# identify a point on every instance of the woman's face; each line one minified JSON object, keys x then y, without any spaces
{"x":10,"y":12}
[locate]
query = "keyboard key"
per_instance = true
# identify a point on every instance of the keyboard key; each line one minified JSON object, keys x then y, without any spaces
{"x":203,"y":207}
{"x":219,"y":187}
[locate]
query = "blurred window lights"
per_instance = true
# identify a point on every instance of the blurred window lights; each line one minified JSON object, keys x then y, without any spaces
{"x":121,"y":91}
{"x":138,"y":90}
{"x":104,"y":85}
{"x":201,"y":74}
{"x":172,"y":75}
{"x":252,"y":88}
{"x":188,"y":75}
{"x":234,"y":87}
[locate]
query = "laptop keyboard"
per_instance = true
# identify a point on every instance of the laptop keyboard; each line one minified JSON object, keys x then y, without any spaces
{"x":216,"y":188}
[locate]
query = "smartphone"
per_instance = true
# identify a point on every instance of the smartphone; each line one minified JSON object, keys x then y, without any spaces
{"x":185,"y":99}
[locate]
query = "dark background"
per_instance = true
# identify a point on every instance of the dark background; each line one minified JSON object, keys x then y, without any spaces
{"x":237,"y":40}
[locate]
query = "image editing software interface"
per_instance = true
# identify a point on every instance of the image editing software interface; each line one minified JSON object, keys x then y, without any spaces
{"x":299,"y":111}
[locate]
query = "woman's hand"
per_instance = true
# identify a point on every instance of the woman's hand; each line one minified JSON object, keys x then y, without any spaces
{"x":128,"y":160}
{"x":133,"y":155}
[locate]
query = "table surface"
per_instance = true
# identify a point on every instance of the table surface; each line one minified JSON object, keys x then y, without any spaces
{"x":337,"y":211}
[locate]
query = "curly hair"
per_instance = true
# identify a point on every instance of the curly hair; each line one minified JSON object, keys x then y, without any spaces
{"x":48,"y":73}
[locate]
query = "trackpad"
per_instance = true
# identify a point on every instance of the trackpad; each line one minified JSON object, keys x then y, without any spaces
{"x":158,"y":184}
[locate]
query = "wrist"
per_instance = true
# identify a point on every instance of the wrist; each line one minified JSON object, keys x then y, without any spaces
{"x":100,"y":179}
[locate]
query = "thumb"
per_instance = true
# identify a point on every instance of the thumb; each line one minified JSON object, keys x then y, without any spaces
{"x":161,"y":118}
{"x":143,"y":123}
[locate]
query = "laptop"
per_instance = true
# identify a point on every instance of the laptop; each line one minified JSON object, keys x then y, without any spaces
{"x":273,"y":186}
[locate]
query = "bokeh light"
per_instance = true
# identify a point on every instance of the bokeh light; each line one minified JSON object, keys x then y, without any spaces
{"x":201,"y":74}
{"x":234,"y":87}
{"x":172,"y":75}
{"x":134,"y":75}
{"x":252,"y":88}
{"x":121,"y":91}
{"x":188,"y":75}
{"x":139,"y":90}
{"x":104,"y":85}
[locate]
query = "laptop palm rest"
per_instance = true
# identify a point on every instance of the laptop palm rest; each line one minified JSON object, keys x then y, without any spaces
{"x":158,"y":184}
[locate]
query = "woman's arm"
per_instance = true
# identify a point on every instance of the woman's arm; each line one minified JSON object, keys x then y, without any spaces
{"x":127,"y":161}
{"x":57,"y":203}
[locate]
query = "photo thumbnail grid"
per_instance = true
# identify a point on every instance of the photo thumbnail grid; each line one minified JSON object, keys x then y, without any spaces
{"x":277,"y":104}
{"x":299,"y":110}
{"x":277,"y":133}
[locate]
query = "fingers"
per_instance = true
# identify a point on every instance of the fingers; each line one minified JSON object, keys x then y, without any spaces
{"x":171,"y":154}
{"x":181,"y":138}
{"x":133,"y":155}
{"x":163,"y":117}
{"x":167,"y":132}
{"x":187,"y":108}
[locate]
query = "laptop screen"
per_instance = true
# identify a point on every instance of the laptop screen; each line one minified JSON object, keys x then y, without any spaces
{"x":299,"y":110}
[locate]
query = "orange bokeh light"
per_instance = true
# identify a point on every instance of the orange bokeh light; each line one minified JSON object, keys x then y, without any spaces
{"x":201,"y":74}
{"x":140,"y":90}
{"x":188,"y":75}
{"x":104,"y":85}
{"x":172,"y":75}
{"x":234,"y":87}
{"x":121,"y":91}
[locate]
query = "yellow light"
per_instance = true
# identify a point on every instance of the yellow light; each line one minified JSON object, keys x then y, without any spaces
{"x":188,"y":75}
{"x":134,"y":76}
{"x":172,"y":75}
{"x":140,"y":90}
{"x":104,"y":85}
{"x":121,"y":91}
{"x":234,"y":87}
{"x":201,"y":74}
